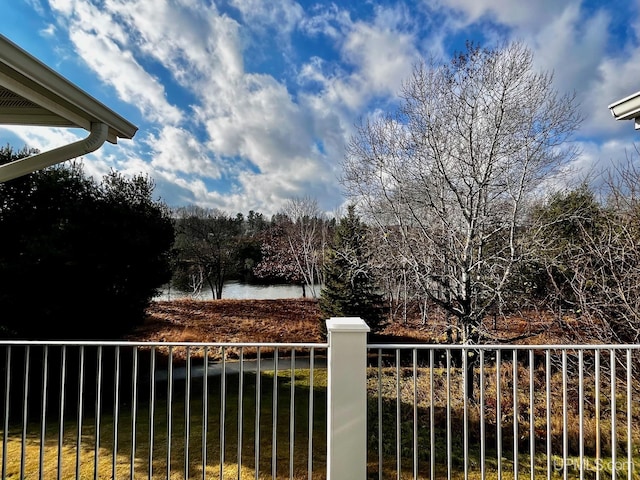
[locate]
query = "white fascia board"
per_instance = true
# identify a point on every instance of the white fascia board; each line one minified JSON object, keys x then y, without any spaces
{"x":626,"y":108}
{"x":44,"y":85}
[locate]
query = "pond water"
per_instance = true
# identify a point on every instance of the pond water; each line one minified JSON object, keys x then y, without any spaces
{"x":239,"y":290}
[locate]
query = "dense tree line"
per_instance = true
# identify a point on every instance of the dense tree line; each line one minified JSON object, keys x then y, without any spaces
{"x":213,"y":247}
{"x":577,"y":253}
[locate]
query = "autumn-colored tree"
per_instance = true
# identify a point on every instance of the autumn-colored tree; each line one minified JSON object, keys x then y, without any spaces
{"x":278,"y":254}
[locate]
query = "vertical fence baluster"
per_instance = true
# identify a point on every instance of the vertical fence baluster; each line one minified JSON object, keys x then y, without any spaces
{"x":483,"y":451}
{"x":240,"y":410}
{"x":532,"y":430}
{"x":63,"y":372}
{"x":311,"y":414}
{"x":292,"y":417}
{"x":465,"y":413}
{"x":448,"y":396}
{"x":43,"y":412}
{"x":274,"y":446}
{"x":134,"y":408}
{"x":565,"y":421}
{"x":432,"y":418}
{"x":415,"y":414}
{"x":380,"y":414}
{"x":548,"y":409}
{"x":116,"y":411}
{"x":516,"y":414}
{"x":598,"y":352}
{"x":5,"y":430}
{"x":205,"y":409}
{"x":25,"y":403}
{"x":152,"y":405}
{"x":80,"y":407}
{"x":187,"y":410}
{"x":258,"y":408}
{"x":223,"y":408}
{"x":581,"y":411}
{"x":398,"y":419}
{"x":614,"y":428}
{"x":629,"y":416}
{"x":98,"y":412}
{"x":169,"y":409}
{"x":498,"y":414}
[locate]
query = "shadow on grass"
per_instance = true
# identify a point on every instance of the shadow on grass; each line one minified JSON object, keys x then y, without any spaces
{"x":427,"y":433}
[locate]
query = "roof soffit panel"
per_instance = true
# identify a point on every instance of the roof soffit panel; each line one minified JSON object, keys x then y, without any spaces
{"x":23,"y":97}
{"x":29,"y":78}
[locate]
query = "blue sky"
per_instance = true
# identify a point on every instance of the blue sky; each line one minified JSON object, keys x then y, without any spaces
{"x":244,"y":104}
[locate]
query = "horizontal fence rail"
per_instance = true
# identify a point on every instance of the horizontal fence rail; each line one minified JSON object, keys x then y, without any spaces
{"x":555,"y":412}
{"x":106,"y":410}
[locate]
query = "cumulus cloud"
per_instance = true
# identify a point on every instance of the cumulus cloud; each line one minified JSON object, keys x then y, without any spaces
{"x":176,"y":149}
{"x":44,"y":139}
{"x":283,"y":15}
{"x":380,"y":55}
{"x":587,"y":58}
{"x":101,"y":42}
{"x":529,"y":15}
{"x":219,"y":131}
{"x":119,"y":69}
{"x":579,"y":43}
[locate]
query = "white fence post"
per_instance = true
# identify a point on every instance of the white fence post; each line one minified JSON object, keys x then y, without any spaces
{"x":347,"y":399}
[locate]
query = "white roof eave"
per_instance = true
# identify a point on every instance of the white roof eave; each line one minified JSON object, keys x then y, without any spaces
{"x":31,"y":93}
{"x":627,"y":108}
{"x":48,"y":89}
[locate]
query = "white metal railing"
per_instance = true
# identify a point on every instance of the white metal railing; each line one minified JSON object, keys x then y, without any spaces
{"x":546,"y":411}
{"x":152,"y":410}
{"x":340,"y":410}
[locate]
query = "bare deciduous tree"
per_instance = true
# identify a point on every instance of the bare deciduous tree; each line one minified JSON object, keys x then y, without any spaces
{"x":448,"y":176}
{"x":307,"y":237}
{"x":607,"y":274}
{"x":206,"y":241}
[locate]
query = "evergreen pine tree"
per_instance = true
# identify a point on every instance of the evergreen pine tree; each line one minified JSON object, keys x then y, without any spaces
{"x":349,"y":288}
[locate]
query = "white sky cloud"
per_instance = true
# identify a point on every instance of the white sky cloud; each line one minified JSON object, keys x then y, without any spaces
{"x":244,"y":104}
{"x":283,"y":15}
{"x":522,"y":14}
{"x":119,"y":69}
{"x":175,"y":149}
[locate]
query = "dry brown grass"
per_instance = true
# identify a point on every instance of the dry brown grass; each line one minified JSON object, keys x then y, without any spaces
{"x":300,"y":320}
{"x":287,"y":320}
{"x":281,"y":320}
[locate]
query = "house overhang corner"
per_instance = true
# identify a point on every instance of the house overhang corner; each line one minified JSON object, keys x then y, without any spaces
{"x":33,"y":94}
{"x":627,"y":108}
